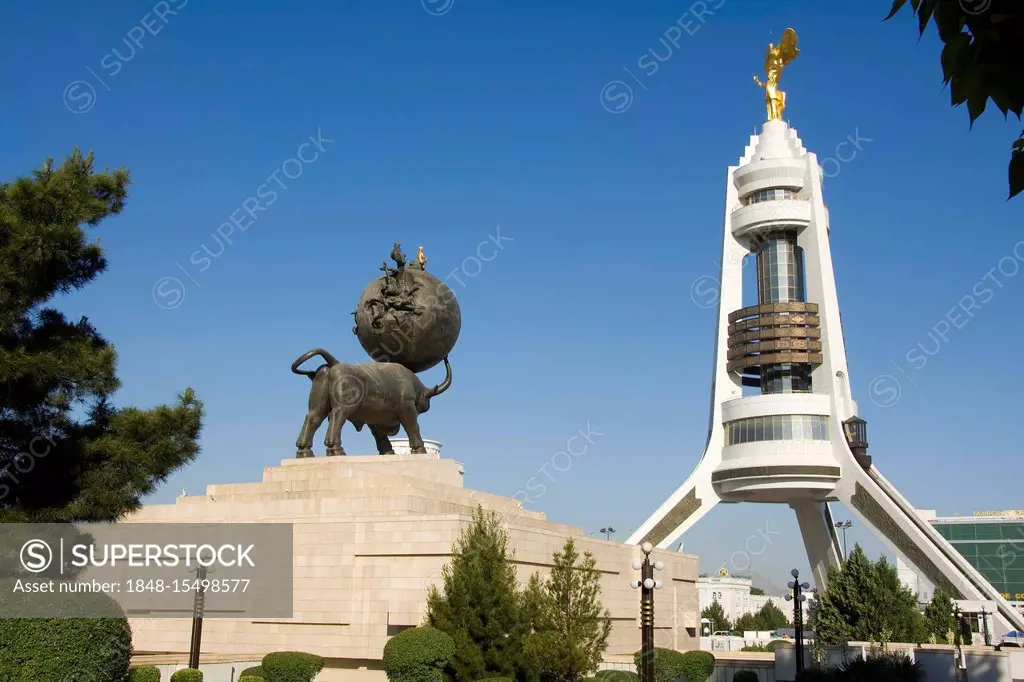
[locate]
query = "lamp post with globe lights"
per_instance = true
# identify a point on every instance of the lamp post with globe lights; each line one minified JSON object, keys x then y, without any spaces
{"x":798,"y":598}
{"x":647,"y":584}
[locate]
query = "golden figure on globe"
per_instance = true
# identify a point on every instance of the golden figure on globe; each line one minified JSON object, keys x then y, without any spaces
{"x":775,"y":60}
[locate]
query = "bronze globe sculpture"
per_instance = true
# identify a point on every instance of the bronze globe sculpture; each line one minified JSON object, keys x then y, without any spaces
{"x":408,"y":321}
{"x":407,"y":315}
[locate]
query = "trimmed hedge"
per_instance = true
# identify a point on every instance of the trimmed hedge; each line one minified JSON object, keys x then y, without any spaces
{"x":745,"y":676}
{"x":419,"y":655}
{"x":187,"y":675}
{"x":250,"y":678}
{"x":698,"y":666}
{"x":291,"y":666}
{"x":617,"y":676}
{"x":144,"y":673}
{"x":37,"y":649}
{"x":255,"y":671}
{"x":668,"y":664}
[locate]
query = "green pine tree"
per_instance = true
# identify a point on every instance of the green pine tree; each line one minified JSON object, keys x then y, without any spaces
{"x":897,"y":616}
{"x":716,"y":614}
{"x":570,"y":630}
{"x":66,"y":453}
{"x":770,"y":617}
{"x":747,"y":622}
{"x":866,"y":602}
{"x":939,"y":617}
{"x":480,"y":604}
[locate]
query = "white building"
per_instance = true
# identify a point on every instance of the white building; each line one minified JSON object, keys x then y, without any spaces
{"x":733,"y":594}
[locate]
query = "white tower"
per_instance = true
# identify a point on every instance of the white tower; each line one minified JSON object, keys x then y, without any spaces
{"x":795,"y":437}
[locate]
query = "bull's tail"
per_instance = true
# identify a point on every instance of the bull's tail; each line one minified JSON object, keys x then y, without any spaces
{"x":330,"y":359}
{"x":443,"y":386}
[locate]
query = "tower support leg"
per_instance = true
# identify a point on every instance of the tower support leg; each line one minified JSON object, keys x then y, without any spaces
{"x":878,"y":505}
{"x":687,"y":505}
{"x":819,"y":534}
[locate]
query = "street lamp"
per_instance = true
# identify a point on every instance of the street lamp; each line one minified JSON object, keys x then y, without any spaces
{"x":798,"y":598}
{"x":647,"y":584}
{"x":198,"y":606}
{"x":608,"y":532}
{"x":959,"y":631}
{"x":984,"y":625}
{"x":843,"y":525}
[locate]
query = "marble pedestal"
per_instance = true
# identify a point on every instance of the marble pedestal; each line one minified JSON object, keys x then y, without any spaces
{"x":371,"y":534}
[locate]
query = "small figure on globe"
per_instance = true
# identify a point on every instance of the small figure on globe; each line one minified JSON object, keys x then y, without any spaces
{"x":407,"y":315}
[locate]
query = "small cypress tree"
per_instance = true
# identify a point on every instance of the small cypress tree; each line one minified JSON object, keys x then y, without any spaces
{"x":748,"y":621}
{"x":716,"y":614}
{"x":571,"y":628}
{"x":867,"y":602}
{"x":770,"y":617}
{"x":939,"y":616}
{"x":479,"y":604}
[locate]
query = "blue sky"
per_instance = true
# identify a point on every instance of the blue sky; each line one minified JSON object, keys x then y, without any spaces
{"x":451,"y":121}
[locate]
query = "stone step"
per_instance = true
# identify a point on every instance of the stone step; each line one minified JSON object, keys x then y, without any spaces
{"x":387,"y":501}
{"x":424,"y":467}
{"x":356,"y":486}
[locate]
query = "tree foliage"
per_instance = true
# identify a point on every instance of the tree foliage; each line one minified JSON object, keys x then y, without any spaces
{"x":771,"y":617}
{"x":716,"y":614}
{"x":939,"y":618}
{"x":982,"y":59}
{"x":553,"y":630}
{"x":569,"y":629}
{"x":768,"y":617}
{"x":66,"y":453}
{"x":866,"y":602}
{"x":479,"y":605}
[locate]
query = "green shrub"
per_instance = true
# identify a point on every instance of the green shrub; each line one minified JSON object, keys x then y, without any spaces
{"x":144,"y":673}
{"x":68,"y":648}
{"x":820,"y":675}
{"x":756,"y":647}
{"x":255,"y":671}
{"x":776,"y":643}
{"x":617,"y":676}
{"x":668,"y":664}
{"x":187,"y":675}
{"x":882,"y":667}
{"x":419,"y":655}
{"x":745,"y":676}
{"x":698,"y":666}
{"x":494,"y":679}
{"x":291,"y":666}
{"x":250,"y":678}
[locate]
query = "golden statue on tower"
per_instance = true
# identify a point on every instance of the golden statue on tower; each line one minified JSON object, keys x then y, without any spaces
{"x":775,"y":60}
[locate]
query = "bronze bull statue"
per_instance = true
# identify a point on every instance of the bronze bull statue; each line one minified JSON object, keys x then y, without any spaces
{"x":381,"y":395}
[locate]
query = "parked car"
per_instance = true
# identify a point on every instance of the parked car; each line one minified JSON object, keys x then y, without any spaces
{"x":1013,"y":638}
